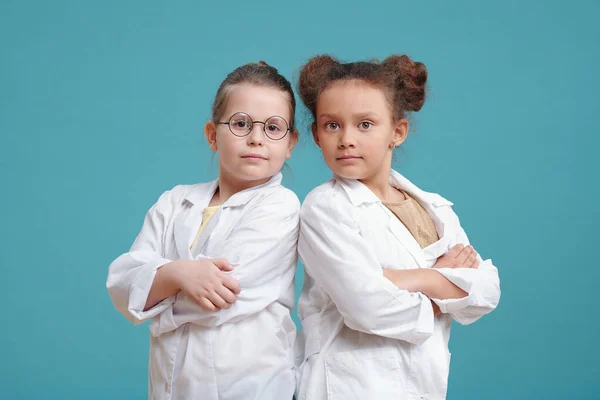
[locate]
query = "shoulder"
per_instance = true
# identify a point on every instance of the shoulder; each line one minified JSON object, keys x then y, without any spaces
{"x":176,"y":197}
{"x":326,"y":198}
{"x":273,"y":202}
{"x":280,"y":196}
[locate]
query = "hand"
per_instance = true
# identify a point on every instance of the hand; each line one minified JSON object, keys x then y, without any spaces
{"x":459,"y":256}
{"x":205,"y":281}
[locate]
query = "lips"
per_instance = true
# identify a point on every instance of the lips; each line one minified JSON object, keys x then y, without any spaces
{"x":254,"y":156}
{"x":348,"y":157}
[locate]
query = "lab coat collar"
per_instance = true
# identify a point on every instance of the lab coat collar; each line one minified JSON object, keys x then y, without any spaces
{"x":187,"y":224}
{"x":399,"y":181}
{"x":202,"y":194}
{"x":360,"y":194}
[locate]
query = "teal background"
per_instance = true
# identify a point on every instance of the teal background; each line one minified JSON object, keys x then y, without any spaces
{"x":102,"y":106}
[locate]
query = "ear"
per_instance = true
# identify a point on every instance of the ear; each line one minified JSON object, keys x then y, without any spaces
{"x":292,"y":143}
{"x":400,"y":133}
{"x":315,"y":133}
{"x":210,"y":130}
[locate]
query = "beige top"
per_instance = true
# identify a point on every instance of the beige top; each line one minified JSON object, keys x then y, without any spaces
{"x":207,"y":214}
{"x":416,"y":219}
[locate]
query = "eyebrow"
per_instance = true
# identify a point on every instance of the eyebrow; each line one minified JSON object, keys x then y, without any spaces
{"x":354,"y":116}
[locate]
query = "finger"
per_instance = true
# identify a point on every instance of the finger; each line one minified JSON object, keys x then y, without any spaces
{"x":206,"y":304}
{"x":476,"y":262}
{"x":222,"y":264}
{"x":455,"y":251}
{"x":217,"y":300}
{"x":471,"y":260}
{"x":231,"y":283}
{"x":462,"y":258}
{"x":226,"y":295}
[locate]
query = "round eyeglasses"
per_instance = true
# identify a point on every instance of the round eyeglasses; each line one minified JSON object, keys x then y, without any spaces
{"x":241,"y":124}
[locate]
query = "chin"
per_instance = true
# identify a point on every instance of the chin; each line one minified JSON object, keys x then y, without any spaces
{"x":348,"y":173}
{"x":255,"y":175}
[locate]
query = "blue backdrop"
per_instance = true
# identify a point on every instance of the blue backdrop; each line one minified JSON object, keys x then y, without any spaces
{"x":102,"y":106}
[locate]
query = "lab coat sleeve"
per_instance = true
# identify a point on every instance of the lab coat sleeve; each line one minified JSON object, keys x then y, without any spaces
{"x":263,"y":246}
{"x":340,"y":261}
{"x":481,"y":284}
{"x":131,"y":275}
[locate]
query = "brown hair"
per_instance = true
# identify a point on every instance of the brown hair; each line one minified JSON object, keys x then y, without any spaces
{"x":402,"y":79}
{"x":260,"y":74}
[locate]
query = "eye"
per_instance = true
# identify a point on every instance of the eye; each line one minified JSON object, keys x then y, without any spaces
{"x":332,"y":126}
{"x":273,"y":128}
{"x":241,"y":124}
{"x":365,"y":125}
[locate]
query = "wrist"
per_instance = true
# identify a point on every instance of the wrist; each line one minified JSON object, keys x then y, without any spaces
{"x":170,"y":273}
{"x":424,"y":280}
{"x":411,"y":280}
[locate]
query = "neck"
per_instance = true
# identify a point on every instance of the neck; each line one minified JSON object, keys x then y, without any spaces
{"x":379,"y":184}
{"x":228,"y":186}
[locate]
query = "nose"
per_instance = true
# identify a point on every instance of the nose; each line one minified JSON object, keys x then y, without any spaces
{"x":256,"y":136}
{"x":346,"y":139}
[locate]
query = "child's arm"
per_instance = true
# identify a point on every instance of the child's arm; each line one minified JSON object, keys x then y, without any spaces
{"x":164,"y":285}
{"x":429,"y":281}
{"x":466,"y":290}
{"x":262,"y":246}
{"x":481,"y":284}
{"x":203,"y":280}
{"x":131,"y":275}
{"x":342,"y":264}
{"x":143,"y":284}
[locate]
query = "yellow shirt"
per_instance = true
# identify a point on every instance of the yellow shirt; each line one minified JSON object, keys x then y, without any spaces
{"x":416,"y":219}
{"x":207,"y":214}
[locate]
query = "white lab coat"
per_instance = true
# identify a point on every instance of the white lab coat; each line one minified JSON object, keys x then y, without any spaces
{"x":364,"y":337}
{"x":245,"y":352}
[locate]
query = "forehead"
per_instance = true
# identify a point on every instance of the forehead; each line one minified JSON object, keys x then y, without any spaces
{"x":352,"y":97}
{"x":260,"y":102}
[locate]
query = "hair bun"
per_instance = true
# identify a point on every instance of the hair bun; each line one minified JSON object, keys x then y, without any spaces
{"x":311,"y":77}
{"x":410,"y":78}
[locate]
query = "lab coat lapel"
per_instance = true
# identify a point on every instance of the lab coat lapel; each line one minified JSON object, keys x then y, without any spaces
{"x":188,"y":221}
{"x":433,"y":204}
{"x":239,"y":199}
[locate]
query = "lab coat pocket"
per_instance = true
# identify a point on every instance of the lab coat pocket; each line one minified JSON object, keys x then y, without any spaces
{"x":364,"y":374}
{"x":164,"y":350}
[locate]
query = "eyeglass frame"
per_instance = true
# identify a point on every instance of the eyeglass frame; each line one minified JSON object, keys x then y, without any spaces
{"x":252,"y":126}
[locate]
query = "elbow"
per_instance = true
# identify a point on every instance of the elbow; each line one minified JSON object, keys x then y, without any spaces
{"x":120,"y":300}
{"x":131,"y":315}
{"x":471,"y":314}
{"x":491,"y":296}
{"x":482,"y":307}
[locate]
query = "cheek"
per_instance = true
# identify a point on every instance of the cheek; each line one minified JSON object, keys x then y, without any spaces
{"x":279,"y":152}
{"x":226,"y":142}
{"x":227,"y":148}
{"x":376,"y":143}
{"x":328,"y":145}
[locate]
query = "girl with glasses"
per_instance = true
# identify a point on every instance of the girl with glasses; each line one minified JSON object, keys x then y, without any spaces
{"x":214,"y":263}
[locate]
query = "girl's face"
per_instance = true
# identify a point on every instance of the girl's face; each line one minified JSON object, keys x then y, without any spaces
{"x":356,"y":131}
{"x":254,"y":158}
